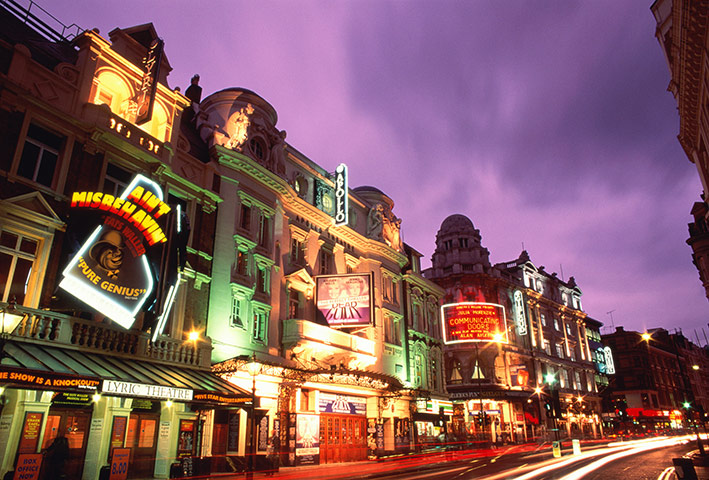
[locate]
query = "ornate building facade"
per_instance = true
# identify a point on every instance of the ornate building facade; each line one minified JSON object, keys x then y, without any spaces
{"x":267,"y":295}
{"x":505,"y":386}
{"x":682,"y":30}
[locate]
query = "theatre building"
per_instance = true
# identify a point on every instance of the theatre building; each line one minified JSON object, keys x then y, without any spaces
{"x":101,"y":276}
{"x":517,"y":359}
{"x":178,"y":281}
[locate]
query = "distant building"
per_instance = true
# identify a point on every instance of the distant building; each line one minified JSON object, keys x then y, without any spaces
{"x":511,"y":365}
{"x":682,"y":29}
{"x":650,"y":385}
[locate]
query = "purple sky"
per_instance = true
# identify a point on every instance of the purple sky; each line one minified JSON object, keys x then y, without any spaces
{"x":546,"y":123}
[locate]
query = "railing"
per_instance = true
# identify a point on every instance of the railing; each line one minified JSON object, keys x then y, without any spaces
{"x":60,"y":330}
{"x":42,"y":21}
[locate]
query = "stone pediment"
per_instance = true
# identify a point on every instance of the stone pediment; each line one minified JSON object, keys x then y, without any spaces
{"x":33,"y":207}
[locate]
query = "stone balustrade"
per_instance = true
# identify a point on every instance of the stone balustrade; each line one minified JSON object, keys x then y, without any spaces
{"x":60,"y":330}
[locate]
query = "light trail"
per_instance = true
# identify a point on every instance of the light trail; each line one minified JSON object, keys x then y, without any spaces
{"x":618,"y":448}
{"x":667,"y":474}
{"x":582,"y":472}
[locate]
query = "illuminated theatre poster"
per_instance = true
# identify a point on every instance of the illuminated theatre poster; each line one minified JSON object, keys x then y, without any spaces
{"x":111,"y":272}
{"x":474,"y":322}
{"x":345,"y":300}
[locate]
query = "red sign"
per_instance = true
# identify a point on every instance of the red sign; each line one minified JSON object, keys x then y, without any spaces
{"x":345,"y":300}
{"x":120,"y":458}
{"x":118,"y":432}
{"x":474,"y":322}
{"x":30,"y":432}
{"x":28,"y":466}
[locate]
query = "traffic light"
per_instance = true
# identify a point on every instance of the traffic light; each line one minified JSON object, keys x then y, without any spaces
{"x":548,"y":408}
{"x":555,"y":404}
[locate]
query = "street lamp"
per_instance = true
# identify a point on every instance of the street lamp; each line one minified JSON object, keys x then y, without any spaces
{"x":687,"y":406}
{"x":254,"y":368}
{"x":11,"y":317}
{"x":646,"y":337}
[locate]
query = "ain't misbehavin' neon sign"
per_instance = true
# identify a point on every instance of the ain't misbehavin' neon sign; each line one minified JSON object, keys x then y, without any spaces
{"x":111,"y":272}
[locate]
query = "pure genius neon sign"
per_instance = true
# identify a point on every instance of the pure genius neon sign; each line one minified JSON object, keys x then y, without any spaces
{"x":111,"y":272}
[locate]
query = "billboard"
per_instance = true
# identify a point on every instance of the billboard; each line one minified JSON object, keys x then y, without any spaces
{"x":344,"y":300}
{"x":474,"y":322}
{"x":111,"y":272}
{"x":307,"y":440}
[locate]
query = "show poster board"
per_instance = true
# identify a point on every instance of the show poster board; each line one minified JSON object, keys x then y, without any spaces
{"x":31,"y":428}
{"x":344,"y":300}
{"x":474,"y":322}
{"x":28,"y":466}
{"x":120,"y":459}
{"x":233,"y":431}
{"x":118,"y":431}
{"x":307,"y":440}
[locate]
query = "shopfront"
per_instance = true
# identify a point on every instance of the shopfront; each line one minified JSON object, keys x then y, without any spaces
{"x":156,"y":414}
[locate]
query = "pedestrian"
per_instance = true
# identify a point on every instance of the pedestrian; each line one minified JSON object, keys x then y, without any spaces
{"x":273,"y":453}
{"x":55,"y":457}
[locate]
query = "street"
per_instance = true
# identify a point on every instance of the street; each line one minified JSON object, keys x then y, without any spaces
{"x":632,"y":460}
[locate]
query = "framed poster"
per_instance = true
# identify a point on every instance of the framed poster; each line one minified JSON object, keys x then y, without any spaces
{"x":30,"y":432}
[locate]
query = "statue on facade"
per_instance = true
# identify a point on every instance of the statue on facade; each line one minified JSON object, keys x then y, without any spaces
{"x":375,"y":222}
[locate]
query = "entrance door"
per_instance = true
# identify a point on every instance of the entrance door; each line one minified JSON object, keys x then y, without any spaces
{"x":342,"y":438}
{"x":74,"y":425}
{"x":141,"y":438}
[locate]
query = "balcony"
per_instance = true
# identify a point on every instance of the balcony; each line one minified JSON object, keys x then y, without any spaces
{"x":64,"y":331}
{"x":314,"y":341}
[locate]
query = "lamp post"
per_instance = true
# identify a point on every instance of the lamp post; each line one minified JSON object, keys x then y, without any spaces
{"x":254,"y":369}
{"x":11,"y":317}
{"x":550,"y":379}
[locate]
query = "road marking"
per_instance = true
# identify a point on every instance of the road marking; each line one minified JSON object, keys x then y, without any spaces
{"x":522,"y":466}
{"x":667,"y":473}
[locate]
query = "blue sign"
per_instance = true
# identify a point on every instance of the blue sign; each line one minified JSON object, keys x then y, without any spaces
{"x":332,"y":403}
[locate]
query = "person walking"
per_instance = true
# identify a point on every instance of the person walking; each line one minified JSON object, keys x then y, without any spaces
{"x":273,"y":453}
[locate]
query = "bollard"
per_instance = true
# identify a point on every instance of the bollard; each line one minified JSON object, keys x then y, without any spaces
{"x":684,"y":469}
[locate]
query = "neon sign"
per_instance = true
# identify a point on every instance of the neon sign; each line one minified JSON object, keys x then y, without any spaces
{"x":520,"y":319}
{"x":474,"y":322}
{"x":341,"y":198}
{"x":149,"y":83}
{"x":111,"y":272}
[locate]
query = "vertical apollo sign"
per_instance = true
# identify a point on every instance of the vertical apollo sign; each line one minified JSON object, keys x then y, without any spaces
{"x":520,"y":318}
{"x":149,"y":82}
{"x":341,"y":197}
{"x":111,"y":272}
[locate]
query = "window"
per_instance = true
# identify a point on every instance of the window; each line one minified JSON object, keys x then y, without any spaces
{"x":547,"y":346}
{"x":237,"y":313}
{"x":263,"y":231}
{"x":40,"y":155}
{"x":568,"y":328}
{"x":544,"y":320}
{"x":294,"y":304}
{"x":556,"y":323}
{"x":296,"y":251}
{"x":564,"y":380}
{"x":245,"y":222}
{"x":463,"y":242}
{"x":262,"y":285}
{"x":559,"y":350}
{"x":116,"y":180}
{"x":456,"y":376}
{"x":260,"y":325}
{"x":241,"y":263}
{"x":325,"y":262}
{"x":418,"y":380}
{"x":391,"y":330}
{"x":577,"y":380}
{"x":434,"y":373}
{"x":17,"y":255}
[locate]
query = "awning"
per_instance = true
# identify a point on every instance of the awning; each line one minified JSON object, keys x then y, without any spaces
{"x":37,"y":366}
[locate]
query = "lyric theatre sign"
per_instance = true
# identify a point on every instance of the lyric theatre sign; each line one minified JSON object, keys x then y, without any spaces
{"x":111,"y":272}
